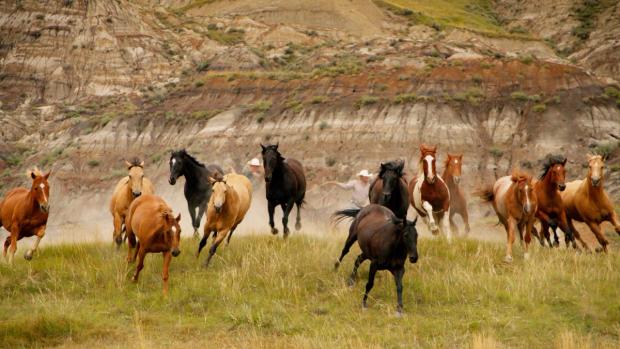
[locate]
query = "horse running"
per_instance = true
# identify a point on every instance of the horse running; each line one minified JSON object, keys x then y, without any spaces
{"x":228,"y":205}
{"x":151,"y":220}
{"x":197,"y":187}
{"x":429,"y":193}
{"x":389,"y":189}
{"x":127,"y":189}
{"x":24,"y":213}
{"x":586,"y":201}
{"x":285,"y":186}
{"x":452,"y":177}
{"x":384,"y":239}
{"x":515,"y":204}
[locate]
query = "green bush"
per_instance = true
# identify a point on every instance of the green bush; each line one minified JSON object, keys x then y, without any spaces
{"x":405,"y":98}
{"x":367,"y":100}
{"x":539,"y":108}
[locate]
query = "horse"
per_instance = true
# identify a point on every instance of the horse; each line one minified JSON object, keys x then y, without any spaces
{"x":127,"y":189}
{"x":227,"y":207}
{"x":285,"y":184}
{"x":384,"y":239}
{"x":515,"y":203}
{"x":390,"y":188}
{"x":24,"y":213}
{"x":452,"y":177}
{"x":550,"y":210}
{"x":429,"y":193}
{"x":586,"y":201}
{"x":197,"y":188}
{"x":151,"y":220}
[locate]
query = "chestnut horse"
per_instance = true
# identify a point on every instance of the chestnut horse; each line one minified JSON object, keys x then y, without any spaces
{"x":151,"y":220}
{"x":126,"y":190}
{"x":24,"y":213}
{"x":586,"y":201}
{"x":550,"y":206}
{"x":389,"y":189}
{"x":229,"y":203}
{"x":429,"y":193}
{"x":515,"y":204}
{"x":452,"y":176}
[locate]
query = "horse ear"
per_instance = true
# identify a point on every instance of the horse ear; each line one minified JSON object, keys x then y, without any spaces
{"x":47,"y":175}
{"x":401,"y":166}
{"x":142,"y":163}
{"x":33,"y":175}
{"x":128,"y":164}
{"x":564,"y":162}
{"x":178,"y":219}
{"x":212,"y":180}
{"x":263,"y":147}
{"x":277,"y":144}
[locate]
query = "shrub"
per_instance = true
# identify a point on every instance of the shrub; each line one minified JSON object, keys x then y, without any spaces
{"x":261,"y":106}
{"x":367,"y":100}
{"x":496,"y":152}
{"x":519,"y":96}
{"x":323,"y":125}
{"x":318,"y":99}
{"x":405,"y":98}
{"x":202,"y":66}
{"x":199,"y":83}
{"x":539,"y":108}
{"x":330,"y":161}
{"x":93,"y":163}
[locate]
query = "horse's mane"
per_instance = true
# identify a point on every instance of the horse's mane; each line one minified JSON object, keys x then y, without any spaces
{"x":392,"y":166}
{"x":191,"y":158}
{"x":550,"y":160}
{"x":135,"y":162}
{"x":519,"y":175}
{"x":36,"y":172}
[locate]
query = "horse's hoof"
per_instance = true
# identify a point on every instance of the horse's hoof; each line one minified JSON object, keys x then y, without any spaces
{"x":297,"y":226}
{"x":336,"y":265}
{"x":286,"y":234}
{"x":435,"y":231}
{"x":526,"y":256}
{"x":28,"y":255}
{"x":134,"y":279}
{"x":350,"y":282}
{"x":399,"y":314}
{"x":364,"y":306}
{"x":274,"y":231}
{"x":508,"y":259}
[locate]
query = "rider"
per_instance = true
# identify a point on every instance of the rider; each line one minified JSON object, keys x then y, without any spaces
{"x":360,"y":187}
{"x":254,"y":172}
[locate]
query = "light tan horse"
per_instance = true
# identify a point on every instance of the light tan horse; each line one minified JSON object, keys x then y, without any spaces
{"x":127,"y":189}
{"x":151,"y":220}
{"x":227,"y":207}
{"x":586,"y":201}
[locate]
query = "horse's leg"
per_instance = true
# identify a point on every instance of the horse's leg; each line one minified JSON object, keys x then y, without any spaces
{"x":614,"y":220}
{"x":203,"y":241}
{"x":370,"y":283}
{"x":568,"y":232}
{"x":13,"y":245}
{"x":192,"y":215}
{"x":358,"y":261}
{"x":131,"y":244}
{"x":164,"y":274}
{"x":528,"y":238}
{"x":271,"y":207}
{"x":298,"y":221}
{"x":398,"y":278}
{"x":577,"y":236}
{"x":544,"y":233}
{"x":445,"y":225}
{"x":230,"y":234}
{"x":286,"y":211}
{"x":141,"y":254}
{"x":512,"y":225}
{"x":453,"y":226}
{"x":201,"y":212}
{"x":429,"y":215}
{"x":600,"y":236}
{"x":39,"y":234}
{"x":347,"y":246}
{"x":135,"y":254}
{"x":7,"y":243}
{"x":118,"y":230}
{"x":218,"y":239}
{"x":465,"y":216}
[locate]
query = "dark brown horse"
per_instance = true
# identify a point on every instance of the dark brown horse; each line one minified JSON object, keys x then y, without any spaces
{"x":551,"y":211}
{"x":24,"y":213}
{"x":390,"y":188}
{"x":384,"y":239}
{"x":285,"y":186}
{"x":452,"y":177}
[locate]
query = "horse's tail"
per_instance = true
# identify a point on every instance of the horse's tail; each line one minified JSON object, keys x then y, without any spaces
{"x":346,"y":213}
{"x":486,"y":194}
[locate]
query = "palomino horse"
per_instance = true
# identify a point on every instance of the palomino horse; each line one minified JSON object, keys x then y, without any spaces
{"x":515,"y":204}
{"x":285,"y":186}
{"x":586,"y":201}
{"x":24,"y":212}
{"x":384,"y":239}
{"x":429,"y":193}
{"x":390,"y":188}
{"x":227,"y":207}
{"x":127,"y":189}
{"x":452,"y":176}
{"x":197,"y":187}
{"x":151,"y":220}
{"x":550,"y":207}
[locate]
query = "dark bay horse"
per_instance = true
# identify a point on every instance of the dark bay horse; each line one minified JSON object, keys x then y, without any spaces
{"x":24,"y":213}
{"x":551,"y":211}
{"x":285,"y":186}
{"x":384,"y":239}
{"x":197,"y":188}
{"x":390,"y":188}
{"x":452,"y":176}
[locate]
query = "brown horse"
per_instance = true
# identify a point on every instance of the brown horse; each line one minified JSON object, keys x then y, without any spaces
{"x":515,"y":203}
{"x":126,"y":190}
{"x":389,"y":189}
{"x":429,"y":193}
{"x":586,"y":201}
{"x":550,"y":206}
{"x":151,"y":220}
{"x":24,"y":213}
{"x":452,"y":176}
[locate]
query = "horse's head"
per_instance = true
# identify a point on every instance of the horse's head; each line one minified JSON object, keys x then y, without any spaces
{"x":218,"y":197}
{"x":40,"y":189}
{"x":410,"y":237}
{"x":596,"y":171}
{"x":554,"y":171}
{"x":176,"y":166}
{"x":136,"y":175}
{"x":390,"y":173}
{"x":173,"y":232}
{"x":427,"y":160}
{"x":454,"y":166}
{"x":524,"y":191}
{"x":271,"y":158}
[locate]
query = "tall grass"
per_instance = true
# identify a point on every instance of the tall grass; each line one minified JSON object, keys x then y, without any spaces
{"x":263,"y":292}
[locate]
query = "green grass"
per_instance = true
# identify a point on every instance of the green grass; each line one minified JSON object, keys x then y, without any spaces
{"x":263,"y":292}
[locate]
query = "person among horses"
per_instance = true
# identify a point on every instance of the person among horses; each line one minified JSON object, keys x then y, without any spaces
{"x":359,"y":187}
{"x":254,"y":171}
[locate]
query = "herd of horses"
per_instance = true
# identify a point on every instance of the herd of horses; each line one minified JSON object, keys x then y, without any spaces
{"x":381,"y":229}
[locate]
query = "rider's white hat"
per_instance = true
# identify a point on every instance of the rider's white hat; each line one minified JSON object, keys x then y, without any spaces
{"x":254,"y":162}
{"x":364,"y":173}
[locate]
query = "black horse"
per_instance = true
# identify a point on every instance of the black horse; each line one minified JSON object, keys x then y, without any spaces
{"x":285,"y":186}
{"x":384,"y":239}
{"x":390,"y":188}
{"x":197,"y":186}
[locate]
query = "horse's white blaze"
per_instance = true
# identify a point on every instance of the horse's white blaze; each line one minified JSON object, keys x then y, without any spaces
{"x":174,"y":229}
{"x":456,"y":161}
{"x":43,"y":191}
{"x":174,"y":161}
{"x":429,"y":161}
{"x":42,"y":186}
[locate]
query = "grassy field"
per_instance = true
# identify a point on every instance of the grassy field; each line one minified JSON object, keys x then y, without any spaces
{"x":262,"y":291}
